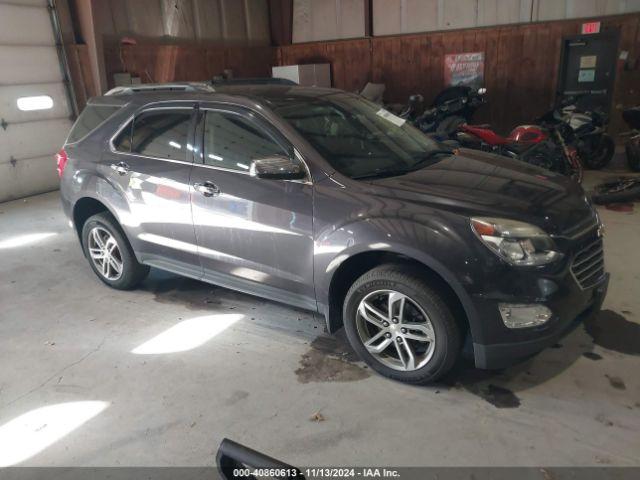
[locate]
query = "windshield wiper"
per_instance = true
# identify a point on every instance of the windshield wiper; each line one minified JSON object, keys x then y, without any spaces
{"x":393,"y":172}
{"x":427,"y":157}
{"x":383,"y":173}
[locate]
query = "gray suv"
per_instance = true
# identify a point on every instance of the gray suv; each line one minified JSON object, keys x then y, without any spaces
{"x":322,"y":200}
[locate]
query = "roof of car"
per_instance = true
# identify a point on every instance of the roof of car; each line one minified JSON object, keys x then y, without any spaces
{"x":202,"y":92}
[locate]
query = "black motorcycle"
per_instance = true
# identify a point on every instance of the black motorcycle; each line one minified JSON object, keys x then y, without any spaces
{"x":588,"y":132}
{"x":451,"y":108}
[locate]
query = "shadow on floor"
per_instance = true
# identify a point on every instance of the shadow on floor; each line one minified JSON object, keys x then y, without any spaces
{"x":198,"y":296}
{"x":331,"y":358}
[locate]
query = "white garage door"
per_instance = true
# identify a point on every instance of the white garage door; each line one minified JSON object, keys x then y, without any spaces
{"x":34,"y":109}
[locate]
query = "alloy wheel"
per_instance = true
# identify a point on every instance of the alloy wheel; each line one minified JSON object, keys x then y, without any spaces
{"x":105,"y":253}
{"x":395,"y":330}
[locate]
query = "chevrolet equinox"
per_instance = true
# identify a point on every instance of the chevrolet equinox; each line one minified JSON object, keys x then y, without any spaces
{"x":325,"y":201}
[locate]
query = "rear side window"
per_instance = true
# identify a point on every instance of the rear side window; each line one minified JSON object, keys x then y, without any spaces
{"x":89,"y":119}
{"x":159,"y":134}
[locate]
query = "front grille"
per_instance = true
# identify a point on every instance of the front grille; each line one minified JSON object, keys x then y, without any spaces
{"x":588,"y":265}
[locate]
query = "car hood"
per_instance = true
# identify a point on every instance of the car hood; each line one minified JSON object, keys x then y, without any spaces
{"x":479,"y":183}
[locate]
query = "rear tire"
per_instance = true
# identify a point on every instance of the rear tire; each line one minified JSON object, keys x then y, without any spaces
{"x":109,"y":253}
{"x":418,"y":344}
{"x":632,"y":149}
{"x":600,"y":156}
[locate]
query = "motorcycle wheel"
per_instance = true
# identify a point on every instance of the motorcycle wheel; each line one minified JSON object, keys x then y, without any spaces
{"x":623,"y":190}
{"x":599,"y":152}
{"x":632,"y":149}
{"x":551,"y":156}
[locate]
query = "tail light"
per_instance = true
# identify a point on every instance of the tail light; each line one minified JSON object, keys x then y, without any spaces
{"x":61,"y":161}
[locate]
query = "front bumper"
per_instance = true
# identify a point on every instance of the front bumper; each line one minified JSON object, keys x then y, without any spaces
{"x":572,"y":309}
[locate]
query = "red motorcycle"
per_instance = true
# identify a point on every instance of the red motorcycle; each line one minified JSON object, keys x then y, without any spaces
{"x":544,"y":145}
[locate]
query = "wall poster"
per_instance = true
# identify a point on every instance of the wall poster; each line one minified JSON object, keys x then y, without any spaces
{"x":464,"y":69}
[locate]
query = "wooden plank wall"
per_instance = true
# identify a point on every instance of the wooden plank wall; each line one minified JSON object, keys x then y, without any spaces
{"x":350,"y":60}
{"x":157,"y":63}
{"x":521,"y":71}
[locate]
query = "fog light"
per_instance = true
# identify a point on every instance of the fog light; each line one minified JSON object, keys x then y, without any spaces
{"x":516,"y":315}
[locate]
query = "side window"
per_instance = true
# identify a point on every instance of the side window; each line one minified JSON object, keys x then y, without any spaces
{"x":161,"y":134}
{"x":232,"y":141}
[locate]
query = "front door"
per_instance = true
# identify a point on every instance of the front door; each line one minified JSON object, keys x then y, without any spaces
{"x":253,"y":235}
{"x":588,"y":69}
{"x":150,"y":162}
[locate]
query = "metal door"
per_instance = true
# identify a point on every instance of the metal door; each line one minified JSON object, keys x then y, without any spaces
{"x":588,"y":69}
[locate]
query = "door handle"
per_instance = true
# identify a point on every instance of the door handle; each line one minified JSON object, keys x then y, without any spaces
{"x":121,"y":168}
{"x":208,"y":189}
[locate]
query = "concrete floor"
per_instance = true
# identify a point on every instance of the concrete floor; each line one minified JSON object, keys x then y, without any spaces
{"x":65,"y":337}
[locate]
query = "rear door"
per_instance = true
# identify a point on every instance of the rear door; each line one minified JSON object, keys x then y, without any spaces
{"x":253,"y":234}
{"x":150,"y":160}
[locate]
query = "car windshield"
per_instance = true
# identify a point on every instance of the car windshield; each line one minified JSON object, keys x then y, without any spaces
{"x":359,"y":138}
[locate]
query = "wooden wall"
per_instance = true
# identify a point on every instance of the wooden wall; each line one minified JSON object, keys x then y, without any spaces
{"x":157,"y":63}
{"x":351,"y":60}
{"x":521,"y":64}
{"x":81,"y":75}
{"x":521,"y":70}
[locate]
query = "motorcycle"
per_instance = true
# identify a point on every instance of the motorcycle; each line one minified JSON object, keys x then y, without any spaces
{"x":544,"y":145}
{"x":594,"y":145}
{"x":631,"y":117}
{"x":451,"y":108}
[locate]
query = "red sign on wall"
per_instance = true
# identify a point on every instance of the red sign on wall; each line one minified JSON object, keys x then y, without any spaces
{"x":464,"y":69}
{"x":591,"y":27}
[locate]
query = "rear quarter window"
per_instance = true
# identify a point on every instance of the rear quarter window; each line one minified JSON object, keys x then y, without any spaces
{"x":91,"y":117}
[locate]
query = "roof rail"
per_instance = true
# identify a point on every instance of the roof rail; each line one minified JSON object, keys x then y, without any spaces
{"x":251,"y":81}
{"x":161,"y":87}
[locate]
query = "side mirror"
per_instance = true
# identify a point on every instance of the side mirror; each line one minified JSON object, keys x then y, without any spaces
{"x":277,"y":167}
{"x":233,"y":456}
{"x":416,"y":100}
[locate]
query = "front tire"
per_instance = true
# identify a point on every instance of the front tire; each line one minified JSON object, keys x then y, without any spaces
{"x":400,"y":325}
{"x":109,"y":253}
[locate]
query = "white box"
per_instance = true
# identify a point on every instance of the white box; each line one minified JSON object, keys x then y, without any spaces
{"x":311,"y":75}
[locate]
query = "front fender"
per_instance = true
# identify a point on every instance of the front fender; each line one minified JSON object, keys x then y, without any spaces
{"x":434,"y":244}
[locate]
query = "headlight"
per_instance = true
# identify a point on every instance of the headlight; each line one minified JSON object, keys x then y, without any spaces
{"x":516,"y":242}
